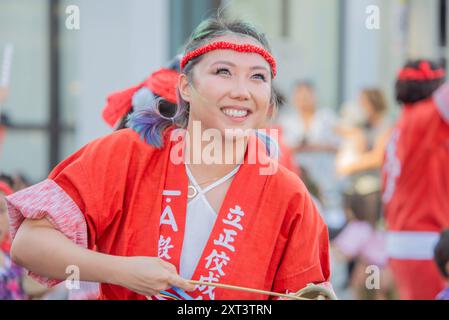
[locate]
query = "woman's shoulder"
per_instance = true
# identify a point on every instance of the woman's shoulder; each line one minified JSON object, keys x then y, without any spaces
{"x":293,"y":196}
{"x":119,"y":143}
{"x":117,"y":149}
{"x":124,"y":137}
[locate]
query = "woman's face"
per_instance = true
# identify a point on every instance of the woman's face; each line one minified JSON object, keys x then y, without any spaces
{"x":230,"y":90}
{"x":304,"y":98}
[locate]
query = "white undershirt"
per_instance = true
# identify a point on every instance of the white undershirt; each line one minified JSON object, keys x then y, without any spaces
{"x":200,"y":220}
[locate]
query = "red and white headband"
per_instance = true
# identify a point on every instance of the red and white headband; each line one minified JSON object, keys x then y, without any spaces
{"x":222,"y":45}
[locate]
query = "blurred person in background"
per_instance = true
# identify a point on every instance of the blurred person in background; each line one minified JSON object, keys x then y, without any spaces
{"x":350,"y":129}
{"x":441,"y":258}
{"x":363,"y":171}
{"x":362,"y":241}
{"x":310,"y":132}
{"x":416,"y":179}
{"x":20,"y":181}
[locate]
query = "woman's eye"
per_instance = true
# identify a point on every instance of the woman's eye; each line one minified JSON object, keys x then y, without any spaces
{"x":222,"y":71}
{"x":259,"y":76}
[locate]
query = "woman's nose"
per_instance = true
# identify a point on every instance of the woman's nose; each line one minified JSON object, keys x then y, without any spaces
{"x":240,"y":90}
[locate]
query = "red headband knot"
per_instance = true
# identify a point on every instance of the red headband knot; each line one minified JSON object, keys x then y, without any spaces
{"x":423,"y":73}
{"x":230,"y":46}
{"x":161,"y":82}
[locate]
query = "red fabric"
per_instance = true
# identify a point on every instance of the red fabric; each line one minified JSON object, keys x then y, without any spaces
{"x":416,"y":187}
{"x":423,"y":73}
{"x":417,"y":279}
{"x":120,"y":195}
{"x":286,"y":155}
{"x":416,"y":170}
{"x":5,"y":246}
{"x":5,"y":188}
{"x":118,"y":105}
{"x":162,"y":82}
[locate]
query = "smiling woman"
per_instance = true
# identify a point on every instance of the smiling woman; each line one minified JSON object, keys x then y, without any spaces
{"x":156,"y":223}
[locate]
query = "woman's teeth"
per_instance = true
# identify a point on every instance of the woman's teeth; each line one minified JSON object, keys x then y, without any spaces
{"x":235,"y":113}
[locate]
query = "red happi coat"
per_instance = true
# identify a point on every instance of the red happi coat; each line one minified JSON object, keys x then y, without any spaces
{"x":133,"y":198}
{"x":416,"y":167}
{"x":416,"y":193}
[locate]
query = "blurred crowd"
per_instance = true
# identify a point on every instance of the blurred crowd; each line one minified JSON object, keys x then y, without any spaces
{"x":342,"y":160}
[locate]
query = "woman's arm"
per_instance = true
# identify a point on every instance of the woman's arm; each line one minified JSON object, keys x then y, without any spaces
{"x":371,"y":159}
{"x":42,"y":249}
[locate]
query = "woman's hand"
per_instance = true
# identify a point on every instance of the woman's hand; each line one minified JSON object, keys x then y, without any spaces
{"x":149,"y":276}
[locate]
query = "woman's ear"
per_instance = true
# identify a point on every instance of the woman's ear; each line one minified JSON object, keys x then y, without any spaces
{"x":184,"y":87}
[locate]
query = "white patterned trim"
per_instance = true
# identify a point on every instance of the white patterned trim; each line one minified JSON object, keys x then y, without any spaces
{"x":409,"y":245}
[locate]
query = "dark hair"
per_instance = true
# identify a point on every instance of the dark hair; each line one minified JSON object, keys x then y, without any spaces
{"x":280,"y":97}
{"x":363,"y":207}
{"x":441,"y":252}
{"x":412,"y":91}
{"x":376,"y":98}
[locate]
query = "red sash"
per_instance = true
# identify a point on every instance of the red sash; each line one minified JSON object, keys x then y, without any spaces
{"x":229,"y":231}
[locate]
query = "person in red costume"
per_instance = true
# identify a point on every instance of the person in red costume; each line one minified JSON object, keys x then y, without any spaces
{"x":416,"y":179}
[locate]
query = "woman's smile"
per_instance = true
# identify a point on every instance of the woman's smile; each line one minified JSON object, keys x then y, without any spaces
{"x":236,"y":114}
